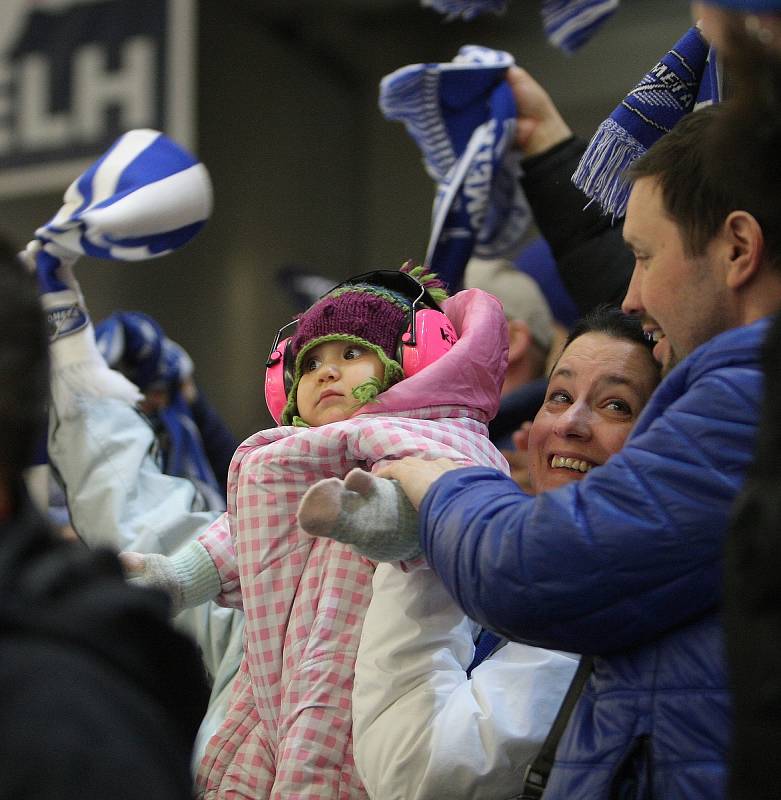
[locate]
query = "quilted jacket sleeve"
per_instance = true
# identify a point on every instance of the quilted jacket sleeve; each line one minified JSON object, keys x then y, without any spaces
{"x":219,"y":544}
{"x":629,"y":552}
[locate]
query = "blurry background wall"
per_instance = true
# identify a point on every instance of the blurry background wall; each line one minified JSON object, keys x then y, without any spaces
{"x":306,"y":170}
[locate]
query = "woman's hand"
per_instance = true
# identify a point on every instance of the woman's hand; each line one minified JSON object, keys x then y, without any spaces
{"x":416,"y":475}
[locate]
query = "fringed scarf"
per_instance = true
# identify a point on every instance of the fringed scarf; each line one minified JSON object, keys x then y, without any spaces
{"x":683,"y":80}
{"x":462,"y":116}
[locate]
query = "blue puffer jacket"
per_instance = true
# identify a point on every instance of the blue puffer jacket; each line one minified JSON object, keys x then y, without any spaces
{"x":625,"y":564}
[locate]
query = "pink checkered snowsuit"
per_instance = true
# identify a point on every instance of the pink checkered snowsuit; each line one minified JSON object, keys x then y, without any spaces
{"x":287,"y":733}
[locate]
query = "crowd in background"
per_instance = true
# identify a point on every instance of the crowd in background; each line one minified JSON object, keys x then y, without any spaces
{"x":515,"y":532}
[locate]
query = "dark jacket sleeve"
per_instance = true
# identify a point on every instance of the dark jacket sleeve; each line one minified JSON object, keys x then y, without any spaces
{"x":594,"y":263}
{"x":612,"y":561}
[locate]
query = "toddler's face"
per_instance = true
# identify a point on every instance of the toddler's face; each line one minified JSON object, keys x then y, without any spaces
{"x":329,"y":374}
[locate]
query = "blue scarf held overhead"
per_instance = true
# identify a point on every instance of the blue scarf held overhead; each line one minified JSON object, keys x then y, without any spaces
{"x":462,"y":116}
{"x":145,"y":197}
{"x":685,"y":79}
{"x":568,"y":24}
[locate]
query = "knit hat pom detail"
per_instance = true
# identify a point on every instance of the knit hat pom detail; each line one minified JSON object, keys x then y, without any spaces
{"x":427,"y":279}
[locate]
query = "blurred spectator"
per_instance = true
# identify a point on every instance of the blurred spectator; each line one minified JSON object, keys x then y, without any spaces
{"x":102,"y":699}
{"x":195,"y":442}
{"x":748,"y":34}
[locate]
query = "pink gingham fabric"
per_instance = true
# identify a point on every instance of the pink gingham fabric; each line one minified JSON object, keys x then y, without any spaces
{"x":288,"y":731}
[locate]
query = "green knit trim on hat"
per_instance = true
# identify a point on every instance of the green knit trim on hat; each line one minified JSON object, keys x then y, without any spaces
{"x":392,"y":371}
{"x":427,"y":279}
{"x":367,"y":391}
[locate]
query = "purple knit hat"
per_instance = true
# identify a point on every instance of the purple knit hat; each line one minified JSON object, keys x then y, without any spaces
{"x":366,"y":315}
{"x":360,"y":310}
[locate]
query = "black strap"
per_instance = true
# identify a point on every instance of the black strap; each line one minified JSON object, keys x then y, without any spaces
{"x":536,"y":776}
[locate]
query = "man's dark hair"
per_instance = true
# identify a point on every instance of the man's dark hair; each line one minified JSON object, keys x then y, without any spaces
{"x":710,"y":164}
{"x":613,"y":322}
{"x":24,"y":366}
{"x":745,"y":147}
{"x":691,"y":194}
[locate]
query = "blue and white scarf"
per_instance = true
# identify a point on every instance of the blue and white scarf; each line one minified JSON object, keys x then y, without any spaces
{"x":685,"y":79}
{"x":145,"y":197}
{"x":465,"y":9}
{"x":568,"y":24}
{"x":462,"y":116}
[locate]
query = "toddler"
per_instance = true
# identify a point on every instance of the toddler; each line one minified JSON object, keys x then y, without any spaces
{"x":375,"y":371}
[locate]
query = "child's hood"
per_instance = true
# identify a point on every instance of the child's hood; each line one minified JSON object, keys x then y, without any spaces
{"x":470,"y":374}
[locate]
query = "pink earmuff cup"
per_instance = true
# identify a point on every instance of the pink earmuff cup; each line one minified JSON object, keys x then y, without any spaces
{"x":276,"y":396}
{"x":434,"y":336}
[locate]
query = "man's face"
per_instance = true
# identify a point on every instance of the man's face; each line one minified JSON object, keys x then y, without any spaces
{"x":681,"y":300}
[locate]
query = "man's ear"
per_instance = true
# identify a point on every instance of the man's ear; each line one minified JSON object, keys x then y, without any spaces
{"x":520,"y":340}
{"x":745,"y":245}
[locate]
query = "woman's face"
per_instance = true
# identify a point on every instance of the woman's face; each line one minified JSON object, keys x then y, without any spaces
{"x":596,"y":392}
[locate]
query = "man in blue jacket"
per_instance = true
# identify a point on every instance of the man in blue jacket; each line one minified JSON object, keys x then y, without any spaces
{"x":626,"y":564}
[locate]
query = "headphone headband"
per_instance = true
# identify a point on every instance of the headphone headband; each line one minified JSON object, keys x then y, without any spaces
{"x":400,"y":282}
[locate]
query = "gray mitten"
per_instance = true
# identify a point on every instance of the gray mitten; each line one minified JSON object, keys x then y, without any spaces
{"x":371,"y":514}
{"x":188,"y":577}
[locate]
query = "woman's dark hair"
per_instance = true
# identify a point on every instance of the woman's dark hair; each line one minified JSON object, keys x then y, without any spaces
{"x":612,"y":321}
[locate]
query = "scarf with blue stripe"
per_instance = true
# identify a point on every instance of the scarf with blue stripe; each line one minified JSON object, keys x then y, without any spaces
{"x":145,"y":197}
{"x":462,"y":116}
{"x":685,"y":79}
{"x":568,"y":24}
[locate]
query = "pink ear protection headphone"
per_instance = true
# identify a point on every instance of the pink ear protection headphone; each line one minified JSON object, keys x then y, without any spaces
{"x":426,"y":335}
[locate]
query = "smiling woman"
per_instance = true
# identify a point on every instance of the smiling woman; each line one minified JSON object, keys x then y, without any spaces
{"x":597,"y":388}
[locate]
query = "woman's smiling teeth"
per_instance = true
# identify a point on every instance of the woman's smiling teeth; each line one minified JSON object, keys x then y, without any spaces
{"x":570,"y":463}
